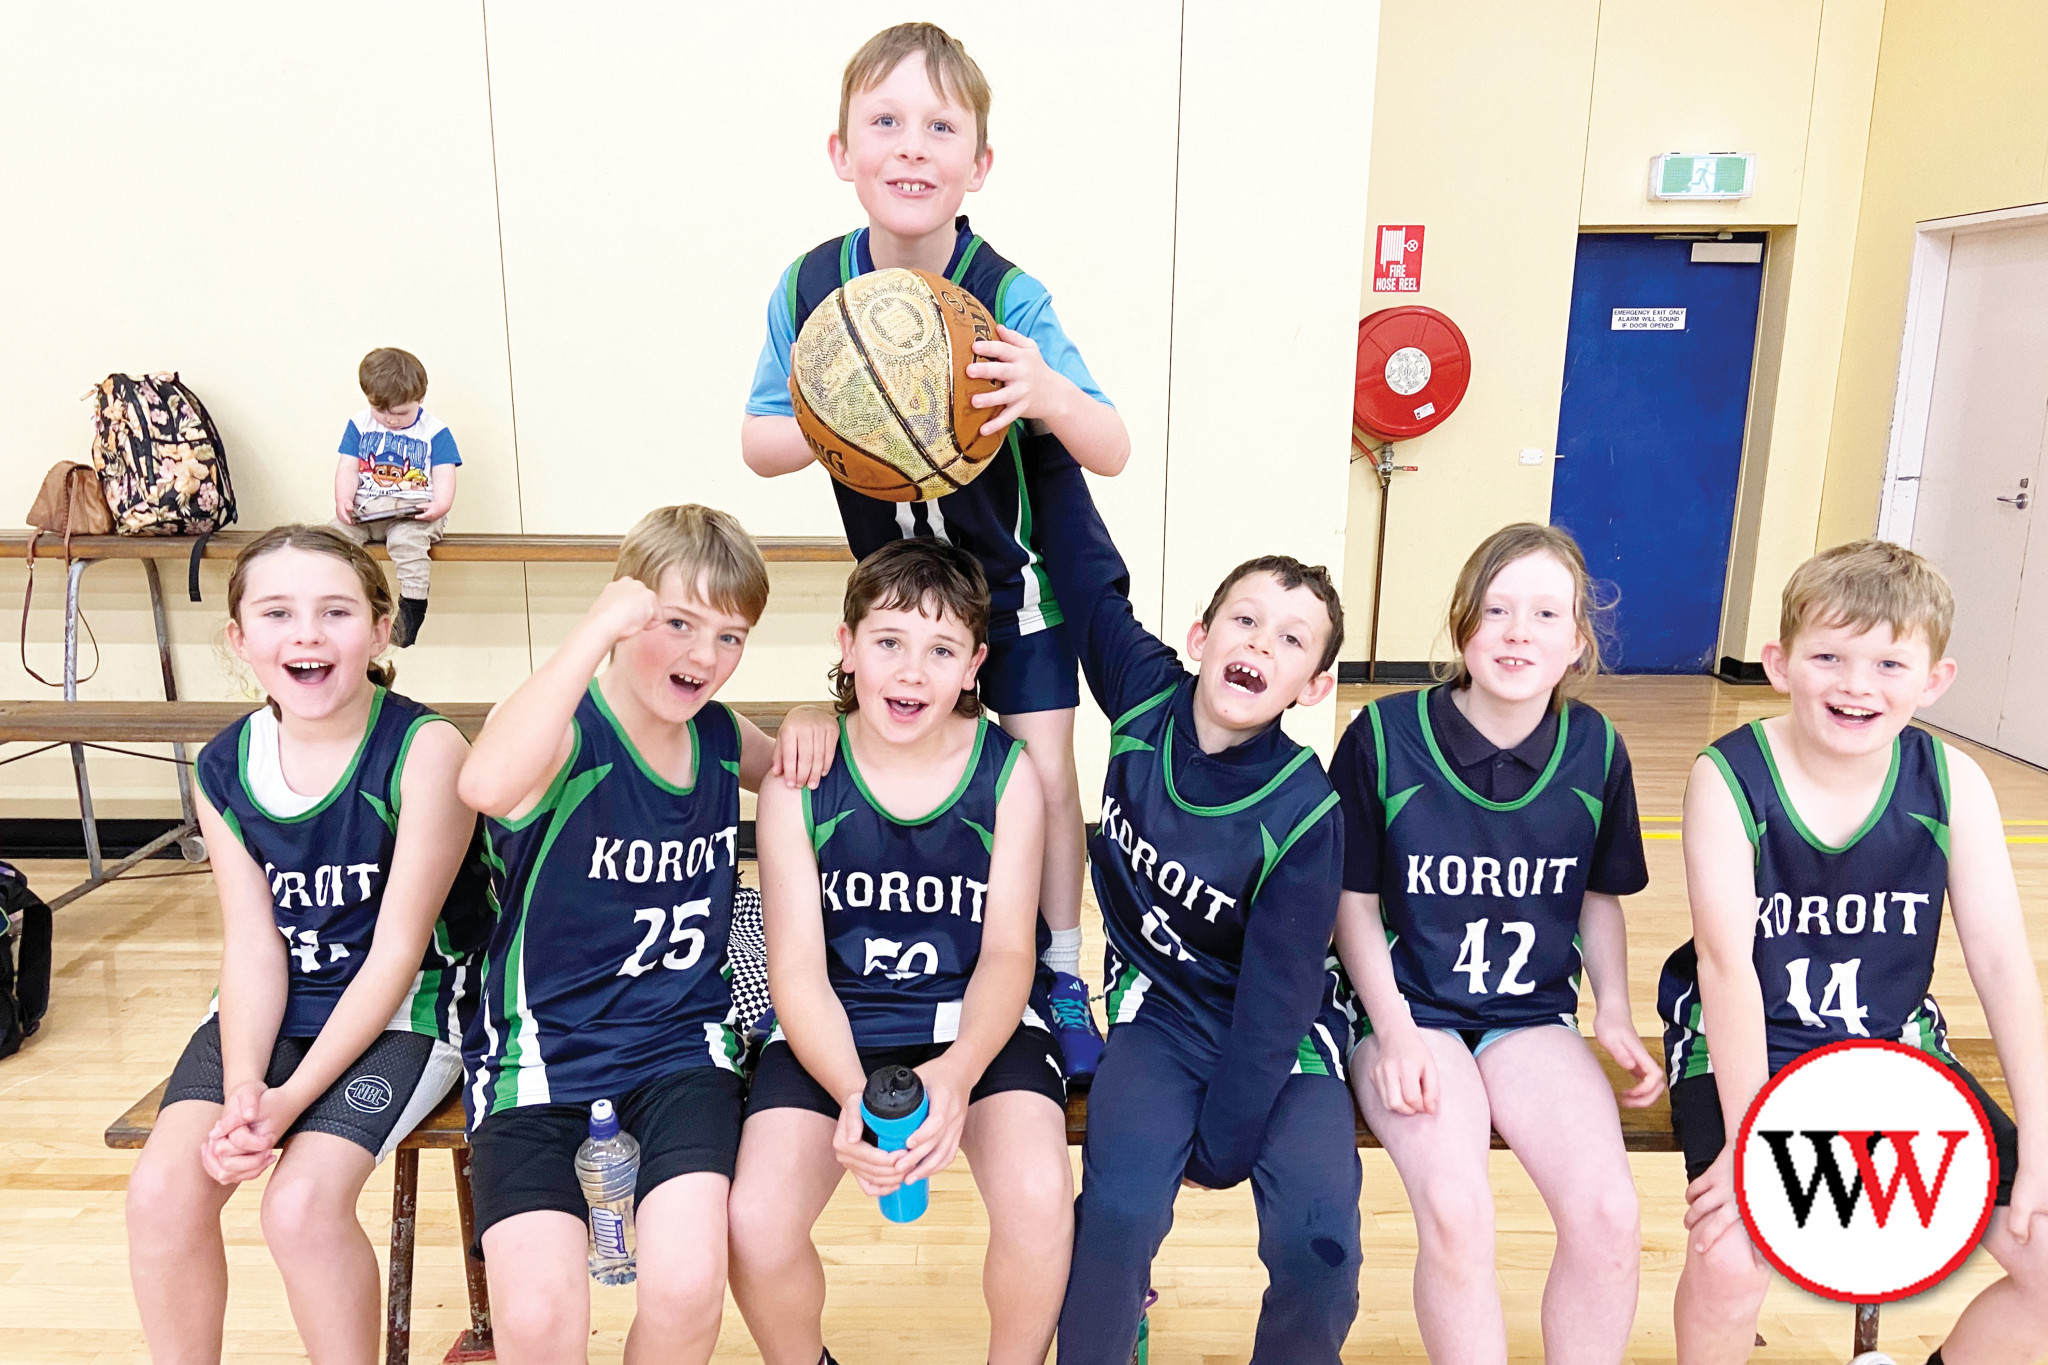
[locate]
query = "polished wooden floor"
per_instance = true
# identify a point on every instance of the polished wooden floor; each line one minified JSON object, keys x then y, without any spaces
{"x":136,"y":961}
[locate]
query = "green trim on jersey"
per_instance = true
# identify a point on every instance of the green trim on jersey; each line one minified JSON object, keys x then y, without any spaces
{"x":847,"y":258}
{"x":549,"y":797}
{"x":348,"y":774}
{"x":1750,"y":826}
{"x":789,"y":278}
{"x":860,"y":784}
{"x":813,"y":831}
{"x":1939,"y":828}
{"x":1009,"y":764}
{"x":987,"y":836}
{"x":519,"y":1023}
{"x":1595,"y":807}
{"x":1390,"y":806}
{"x":1003,"y":292}
{"x":1607,"y":758}
{"x":639,"y":761}
{"x":1877,"y":810}
{"x":404,"y":751}
{"x":959,"y":272}
{"x":227,"y":817}
{"x":1308,"y":1059}
{"x":1564,"y":721}
{"x":1275,"y":852}
{"x":1048,"y":607}
{"x":1243,"y":802}
{"x":1130,"y":984}
{"x":1125,"y":744}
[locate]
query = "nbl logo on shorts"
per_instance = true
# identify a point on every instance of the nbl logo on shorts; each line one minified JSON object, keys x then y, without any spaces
{"x":1865,"y":1171}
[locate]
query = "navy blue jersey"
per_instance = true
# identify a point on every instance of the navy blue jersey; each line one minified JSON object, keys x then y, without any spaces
{"x":607,"y":967}
{"x":1481,"y":898}
{"x":992,"y":517}
{"x":1178,"y":881}
{"x":1845,"y":937}
{"x":903,"y":899}
{"x":327,"y":868}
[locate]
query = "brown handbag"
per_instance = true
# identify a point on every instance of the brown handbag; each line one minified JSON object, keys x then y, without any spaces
{"x":69,"y":503}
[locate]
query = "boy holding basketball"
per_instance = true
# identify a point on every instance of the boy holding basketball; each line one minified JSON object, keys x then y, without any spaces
{"x":1819,"y":848}
{"x":1218,"y":867}
{"x":913,"y":140}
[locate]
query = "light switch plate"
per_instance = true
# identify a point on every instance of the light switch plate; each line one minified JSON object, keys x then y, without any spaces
{"x":1531,"y":456}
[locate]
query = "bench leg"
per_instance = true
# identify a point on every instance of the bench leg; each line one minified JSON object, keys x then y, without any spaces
{"x":1866,"y":1330}
{"x":190,"y":845}
{"x":474,"y":1344}
{"x":405,"y":1201}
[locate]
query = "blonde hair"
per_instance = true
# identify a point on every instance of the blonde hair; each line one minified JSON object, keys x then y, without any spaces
{"x":1866,"y":583}
{"x":952,"y":72}
{"x":705,"y":545}
{"x":1590,"y":612}
{"x":319,"y":540}
{"x":391,"y":378}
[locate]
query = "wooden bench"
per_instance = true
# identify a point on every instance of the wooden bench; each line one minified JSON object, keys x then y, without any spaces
{"x":1642,"y":1130}
{"x":467,"y":546}
{"x":99,"y":723}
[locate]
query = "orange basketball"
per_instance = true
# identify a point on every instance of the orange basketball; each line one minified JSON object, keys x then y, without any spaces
{"x":879,"y":379}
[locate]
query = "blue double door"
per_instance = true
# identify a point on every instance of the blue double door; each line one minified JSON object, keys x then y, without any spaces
{"x":1650,"y":433}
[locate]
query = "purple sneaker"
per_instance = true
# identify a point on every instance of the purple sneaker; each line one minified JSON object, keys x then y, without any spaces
{"x":1073,"y":1024}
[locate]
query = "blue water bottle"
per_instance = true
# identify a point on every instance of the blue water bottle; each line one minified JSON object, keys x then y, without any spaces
{"x":894,"y":1105}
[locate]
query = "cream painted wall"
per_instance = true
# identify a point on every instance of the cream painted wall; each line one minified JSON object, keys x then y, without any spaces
{"x":576,"y":218}
{"x":1262,"y":376}
{"x":1585,"y":94}
{"x":1958,"y":126}
{"x":1497,"y":260}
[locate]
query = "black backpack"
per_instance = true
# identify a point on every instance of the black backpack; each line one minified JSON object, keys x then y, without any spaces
{"x":24,"y":961}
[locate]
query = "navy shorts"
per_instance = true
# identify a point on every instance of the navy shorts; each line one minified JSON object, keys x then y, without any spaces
{"x":1029,"y":1061}
{"x":524,"y":1160}
{"x":1696,"y":1119}
{"x":384,"y":1094}
{"x":1036,"y":672}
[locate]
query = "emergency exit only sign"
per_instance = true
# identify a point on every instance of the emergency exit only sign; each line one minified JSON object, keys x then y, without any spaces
{"x":1397,"y":258}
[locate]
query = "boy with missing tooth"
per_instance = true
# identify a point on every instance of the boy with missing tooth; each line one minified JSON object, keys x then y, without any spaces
{"x":1217,"y":866}
{"x":1820,"y":846}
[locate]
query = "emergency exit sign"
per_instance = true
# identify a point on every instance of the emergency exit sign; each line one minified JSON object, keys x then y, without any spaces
{"x":1703,"y":175}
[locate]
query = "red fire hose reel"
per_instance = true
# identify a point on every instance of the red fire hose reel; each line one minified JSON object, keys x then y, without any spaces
{"x":1413,"y":368}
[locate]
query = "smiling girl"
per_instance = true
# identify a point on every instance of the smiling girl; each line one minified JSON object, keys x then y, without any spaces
{"x":338,"y":846}
{"x":1490,"y":829}
{"x":900,"y":900}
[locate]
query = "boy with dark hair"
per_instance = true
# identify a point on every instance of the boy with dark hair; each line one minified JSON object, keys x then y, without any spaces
{"x":396,"y":478}
{"x":900,"y":900}
{"x":913,"y":141}
{"x":1217,"y":866}
{"x":1838,"y":801}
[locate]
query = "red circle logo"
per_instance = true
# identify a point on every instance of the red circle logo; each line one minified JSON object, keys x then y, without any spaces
{"x":1865,"y":1171}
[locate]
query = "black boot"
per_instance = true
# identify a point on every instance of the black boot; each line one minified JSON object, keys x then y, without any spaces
{"x":406,"y":629}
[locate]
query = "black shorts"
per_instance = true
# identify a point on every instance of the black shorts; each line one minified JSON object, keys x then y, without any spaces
{"x":382,"y":1096}
{"x":1696,"y":1119}
{"x":523,"y":1160}
{"x":1036,"y":672}
{"x":1029,"y":1061}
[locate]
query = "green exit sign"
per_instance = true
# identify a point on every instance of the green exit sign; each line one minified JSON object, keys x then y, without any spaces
{"x":1703,"y":175}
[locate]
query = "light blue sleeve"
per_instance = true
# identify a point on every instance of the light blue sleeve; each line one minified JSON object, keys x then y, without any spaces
{"x":351,"y":441}
{"x":1029,"y":307}
{"x":443,"y":450}
{"x":770,"y":396}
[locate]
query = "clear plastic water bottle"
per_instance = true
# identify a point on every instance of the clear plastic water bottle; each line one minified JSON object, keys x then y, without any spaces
{"x":608,"y":1167}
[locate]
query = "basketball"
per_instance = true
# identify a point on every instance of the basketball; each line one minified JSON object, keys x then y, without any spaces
{"x":879,"y":379}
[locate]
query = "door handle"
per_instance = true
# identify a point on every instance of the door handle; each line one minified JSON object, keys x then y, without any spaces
{"x":2019,"y":501}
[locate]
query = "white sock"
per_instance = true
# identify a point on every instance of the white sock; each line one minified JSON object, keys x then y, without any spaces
{"x":1064,"y":954}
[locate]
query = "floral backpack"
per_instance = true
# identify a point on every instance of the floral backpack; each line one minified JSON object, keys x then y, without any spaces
{"x":160,"y":461}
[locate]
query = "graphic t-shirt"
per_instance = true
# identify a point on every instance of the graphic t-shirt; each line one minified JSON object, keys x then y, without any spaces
{"x":396,"y":466}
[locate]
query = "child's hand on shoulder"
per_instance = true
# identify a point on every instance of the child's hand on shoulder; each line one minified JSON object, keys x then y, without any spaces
{"x":1031,"y":388}
{"x":1615,"y":1031}
{"x":876,"y":1172}
{"x":624,"y":609}
{"x":805,"y":746}
{"x":1404,"y":1073}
